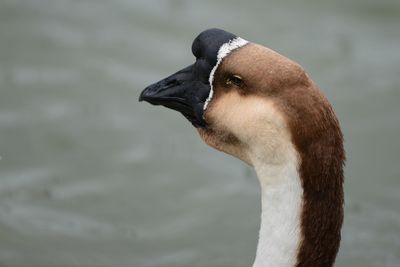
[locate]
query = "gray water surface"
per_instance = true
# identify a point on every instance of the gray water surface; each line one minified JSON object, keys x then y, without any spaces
{"x":90,"y":177}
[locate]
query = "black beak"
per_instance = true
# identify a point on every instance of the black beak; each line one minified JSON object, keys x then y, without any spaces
{"x":182,"y":92}
{"x":187,"y":90}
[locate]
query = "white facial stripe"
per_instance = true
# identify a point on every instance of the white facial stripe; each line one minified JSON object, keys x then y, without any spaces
{"x":223,"y":51}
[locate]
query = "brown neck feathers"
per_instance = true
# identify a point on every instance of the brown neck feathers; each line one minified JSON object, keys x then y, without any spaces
{"x":318,"y":139}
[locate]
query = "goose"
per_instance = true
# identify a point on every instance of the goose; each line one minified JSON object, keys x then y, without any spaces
{"x":249,"y":101}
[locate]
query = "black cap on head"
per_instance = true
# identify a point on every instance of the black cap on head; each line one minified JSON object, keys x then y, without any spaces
{"x":207,"y":44}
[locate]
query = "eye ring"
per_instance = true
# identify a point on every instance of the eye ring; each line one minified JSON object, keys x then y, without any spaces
{"x":235,"y":79}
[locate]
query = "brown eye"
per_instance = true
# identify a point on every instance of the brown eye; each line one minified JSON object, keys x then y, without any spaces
{"x":235,"y":79}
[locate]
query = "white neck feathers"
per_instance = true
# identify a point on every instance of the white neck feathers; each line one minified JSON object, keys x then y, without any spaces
{"x":281,"y":196}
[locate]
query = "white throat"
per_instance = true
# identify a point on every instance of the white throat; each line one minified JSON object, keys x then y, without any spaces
{"x":281,"y":201}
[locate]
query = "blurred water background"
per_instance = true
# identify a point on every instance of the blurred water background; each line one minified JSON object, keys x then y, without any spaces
{"x":90,"y":177}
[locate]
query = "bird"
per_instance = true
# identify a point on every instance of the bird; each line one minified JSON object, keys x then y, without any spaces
{"x":255,"y":104}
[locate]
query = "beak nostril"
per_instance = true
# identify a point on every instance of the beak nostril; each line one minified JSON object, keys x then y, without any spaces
{"x":170,"y":82}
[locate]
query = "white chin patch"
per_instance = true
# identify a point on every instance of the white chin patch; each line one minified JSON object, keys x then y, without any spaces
{"x":223,"y":51}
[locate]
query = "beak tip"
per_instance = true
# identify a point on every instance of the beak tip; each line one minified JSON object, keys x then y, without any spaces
{"x":142,"y":95}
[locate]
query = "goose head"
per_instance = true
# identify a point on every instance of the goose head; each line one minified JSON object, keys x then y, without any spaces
{"x":253,"y":103}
